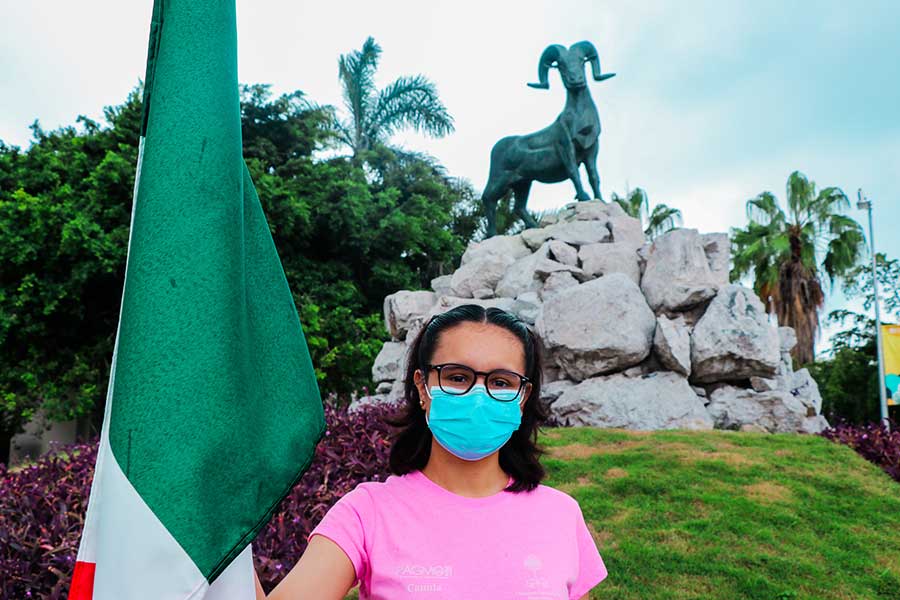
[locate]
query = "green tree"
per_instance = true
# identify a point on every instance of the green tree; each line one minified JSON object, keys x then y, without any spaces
{"x":374,"y":115}
{"x":347,"y":236}
{"x":64,"y":216}
{"x":783,"y":250}
{"x":848,"y":374}
{"x":658,"y":221}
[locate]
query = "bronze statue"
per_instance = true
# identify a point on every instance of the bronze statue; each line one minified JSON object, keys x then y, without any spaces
{"x":554,"y":153}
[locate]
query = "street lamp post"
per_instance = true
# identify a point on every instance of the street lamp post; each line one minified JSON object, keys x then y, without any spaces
{"x":863,"y":203}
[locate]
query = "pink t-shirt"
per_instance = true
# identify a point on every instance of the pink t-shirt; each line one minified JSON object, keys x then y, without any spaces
{"x":408,"y":537}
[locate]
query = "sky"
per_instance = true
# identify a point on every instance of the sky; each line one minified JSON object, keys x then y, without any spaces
{"x":713,"y":102}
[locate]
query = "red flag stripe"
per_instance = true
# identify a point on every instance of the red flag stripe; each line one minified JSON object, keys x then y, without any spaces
{"x":82,"y":581}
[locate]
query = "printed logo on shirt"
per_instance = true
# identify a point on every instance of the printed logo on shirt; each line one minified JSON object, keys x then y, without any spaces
{"x":537,"y":587}
{"x":418,"y":571}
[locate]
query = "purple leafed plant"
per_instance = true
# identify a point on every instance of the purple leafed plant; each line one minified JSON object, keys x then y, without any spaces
{"x":42,"y":510}
{"x":42,"y":506}
{"x":873,"y":441}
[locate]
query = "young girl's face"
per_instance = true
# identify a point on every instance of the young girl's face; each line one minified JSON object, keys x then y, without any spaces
{"x":481,"y":346}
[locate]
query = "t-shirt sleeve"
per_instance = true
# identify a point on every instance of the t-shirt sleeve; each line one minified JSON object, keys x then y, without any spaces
{"x":345,"y":525}
{"x":591,"y":569}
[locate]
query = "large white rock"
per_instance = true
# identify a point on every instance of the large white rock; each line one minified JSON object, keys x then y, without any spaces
{"x":814,"y":424}
{"x":402,"y":306}
{"x":718,"y":253}
{"x":390,"y":362}
{"x":551,"y":391}
{"x":445,"y":303}
{"x":775,"y":411}
{"x":570,"y":232}
{"x":605,"y":258}
{"x":804,"y":387}
{"x":677,"y":275}
{"x":545,"y":267}
{"x":596,"y":327}
{"x":563,"y":253}
{"x":527,"y":306}
{"x":733,"y":339}
{"x":498,"y":245}
{"x":479,"y":273}
{"x":672,"y":344}
{"x":623,"y":229}
{"x":557,"y":281}
{"x":661,"y":400}
{"x":441,"y":284}
{"x":521,"y":276}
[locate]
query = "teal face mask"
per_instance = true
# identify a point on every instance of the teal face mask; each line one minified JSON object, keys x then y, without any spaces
{"x":471,"y":425}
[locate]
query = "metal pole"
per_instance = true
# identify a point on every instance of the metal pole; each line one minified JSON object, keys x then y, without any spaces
{"x":863,"y":201}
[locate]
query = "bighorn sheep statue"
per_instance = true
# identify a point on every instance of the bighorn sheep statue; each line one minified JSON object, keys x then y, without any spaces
{"x":554,"y":153}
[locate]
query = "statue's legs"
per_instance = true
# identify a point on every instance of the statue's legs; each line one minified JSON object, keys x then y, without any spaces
{"x":521,"y":191}
{"x":566,"y":152}
{"x":590,"y":165}
{"x":490,"y":211}
{"x":490,"y":197}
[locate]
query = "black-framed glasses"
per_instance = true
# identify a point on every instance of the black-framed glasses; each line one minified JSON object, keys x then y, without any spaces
{"x":501,"y":384}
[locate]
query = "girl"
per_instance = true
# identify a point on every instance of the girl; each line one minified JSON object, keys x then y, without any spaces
{"x":463,"y":515}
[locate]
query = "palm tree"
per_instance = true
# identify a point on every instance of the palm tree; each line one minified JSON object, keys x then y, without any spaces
{"x":375,"y":115}
{"x":783,"y":250}
{"x":660,"y":220}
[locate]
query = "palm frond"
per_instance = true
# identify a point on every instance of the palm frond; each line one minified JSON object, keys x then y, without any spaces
{"x":800,"y":195}
{"x":764,"y":209}
{"x":846,"y":247}
{"x":830,"y":201}
{"x":410,"y":101}
{"x":357,"y":74}
{"x":662,"y":219}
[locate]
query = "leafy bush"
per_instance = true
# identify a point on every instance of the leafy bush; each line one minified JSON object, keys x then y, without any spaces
{"x":42,"y":509}
{"x":42,"y":506}
{"x":873,"y":441}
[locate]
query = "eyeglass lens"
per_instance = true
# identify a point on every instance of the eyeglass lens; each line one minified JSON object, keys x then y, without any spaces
{"x":501,"y":385}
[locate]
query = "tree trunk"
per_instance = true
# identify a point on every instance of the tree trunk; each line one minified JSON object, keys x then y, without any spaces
{"x":5,"y":440}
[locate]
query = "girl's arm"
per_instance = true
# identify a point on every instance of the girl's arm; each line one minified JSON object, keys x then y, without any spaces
{"x":324,"y":572}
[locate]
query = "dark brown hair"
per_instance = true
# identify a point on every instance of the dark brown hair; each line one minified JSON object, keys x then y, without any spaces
{"x":411,"y":444}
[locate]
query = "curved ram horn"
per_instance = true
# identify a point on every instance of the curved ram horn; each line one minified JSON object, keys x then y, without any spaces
{"x":589,"y":53}
{"x":549,"y":56}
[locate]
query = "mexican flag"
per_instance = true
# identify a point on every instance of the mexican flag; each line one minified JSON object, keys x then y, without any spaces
{"x":213,"y":411}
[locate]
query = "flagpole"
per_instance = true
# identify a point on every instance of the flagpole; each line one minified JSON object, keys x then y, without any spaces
{"x":864,"y":203}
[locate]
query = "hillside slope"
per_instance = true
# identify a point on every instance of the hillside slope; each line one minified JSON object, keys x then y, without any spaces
{"x":726,"y":515}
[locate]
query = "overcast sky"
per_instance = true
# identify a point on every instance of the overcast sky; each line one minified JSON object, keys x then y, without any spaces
{"x":712,"y":103}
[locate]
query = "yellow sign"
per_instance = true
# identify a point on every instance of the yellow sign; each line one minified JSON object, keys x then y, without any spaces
{"x":890,"y":341}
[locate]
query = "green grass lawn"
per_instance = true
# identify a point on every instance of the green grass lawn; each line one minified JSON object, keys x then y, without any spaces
{"x":723,"y":515}
{"x":726,"y":515}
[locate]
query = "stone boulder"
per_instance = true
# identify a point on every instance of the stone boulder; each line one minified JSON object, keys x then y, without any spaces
{"x":521,"y":276}
{"x":605,"y":258}
{"x":677,"y":275}
{"x":804,"y":387}
{"x":661,"y":400}
{"x":527,"y":306}
{"x":776,"y":411}
{"x":498,"y":245}
{"x":441,"y":284}
{"x":596,"y":327}
{"x":390,"y":362}
{"x":402,"y":306}
{"x":672,"y":344}
{"x":733,"y":339}
{"x":563,"y":253}
{"x":482,"y":273}
{"x":717,"y":248}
